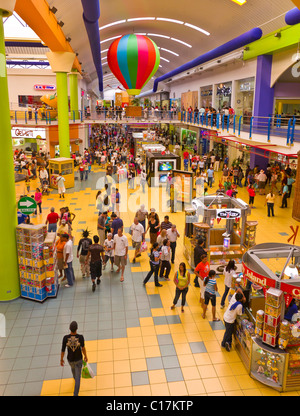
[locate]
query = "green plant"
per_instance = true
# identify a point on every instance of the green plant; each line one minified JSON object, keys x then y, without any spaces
{"x":136,"y":102}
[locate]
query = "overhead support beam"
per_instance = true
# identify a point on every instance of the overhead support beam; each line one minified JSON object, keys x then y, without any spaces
{"x":37,"y":14}
{"x":284,"y":38}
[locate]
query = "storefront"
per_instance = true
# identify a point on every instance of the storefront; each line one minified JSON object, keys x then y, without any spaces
{"x":223,"y":95}
{"x":206,"y":96}
{"x":244,"y":99}
{"x":189,"y":139}
{"x":30,"y":139}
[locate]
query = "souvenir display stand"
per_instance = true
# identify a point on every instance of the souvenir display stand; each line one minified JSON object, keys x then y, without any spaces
{"x":225,"y":240}
{"x":158,"y":165}
{"x":269,"y":345}
{"x":37,"y":255}
{"x":61,"y":166}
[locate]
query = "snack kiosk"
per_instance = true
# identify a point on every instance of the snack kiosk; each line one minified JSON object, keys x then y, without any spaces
{"x":158,"y":166}
{"x":224,"y":227}
{"x":269,"y":344}
{"x":61,"y":166}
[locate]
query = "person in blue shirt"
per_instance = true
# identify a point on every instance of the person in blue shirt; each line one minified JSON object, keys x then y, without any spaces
{"x":21,"y":217}
{"x":285,"y":194}
{"x":116,"y":224}
{"x":292,"y":309}
{"x":211,"y":288}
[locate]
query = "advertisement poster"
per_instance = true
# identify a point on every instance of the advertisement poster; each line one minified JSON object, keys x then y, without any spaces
{"x":183,"y":185}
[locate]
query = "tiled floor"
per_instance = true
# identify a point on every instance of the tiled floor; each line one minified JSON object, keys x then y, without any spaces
{"x":135,"y":343}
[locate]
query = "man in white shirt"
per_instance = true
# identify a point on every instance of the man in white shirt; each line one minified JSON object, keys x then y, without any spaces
{"x":137,"y":232}
{"x":234,"y":309}
{"x":68,"y":259}
{"x":60,"y":180}
{"x":121,"y":252}
{"x":172,"y":235}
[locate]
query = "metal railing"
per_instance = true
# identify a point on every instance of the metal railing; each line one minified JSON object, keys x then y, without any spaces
{"x":274,"y":125}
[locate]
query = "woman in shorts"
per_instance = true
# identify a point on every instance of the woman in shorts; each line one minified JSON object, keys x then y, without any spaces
{"x":210,"y":294}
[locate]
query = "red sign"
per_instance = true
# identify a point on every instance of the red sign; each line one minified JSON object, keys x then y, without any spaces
{"x":257,"y":278}
{"x":288,"y":288}
{"x":44,"y":87}
{"x":288,"y":299}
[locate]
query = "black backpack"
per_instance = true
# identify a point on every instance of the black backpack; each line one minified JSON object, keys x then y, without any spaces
{"x":196,"y":283}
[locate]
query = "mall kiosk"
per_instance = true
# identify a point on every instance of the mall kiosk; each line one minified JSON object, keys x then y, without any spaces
{"x":224,"y":228}
{"x":61,"y":166}
{"x":158,"y":165}
{"x":266,"y":342}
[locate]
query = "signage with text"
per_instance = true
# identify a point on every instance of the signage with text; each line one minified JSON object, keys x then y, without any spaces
{"x":228,"y":214}
{"x":28,"y":133}
{"x":257,"y":278}
{"x":44,"y":87}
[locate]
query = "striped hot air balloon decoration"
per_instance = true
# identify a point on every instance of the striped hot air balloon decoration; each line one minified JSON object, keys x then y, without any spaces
{"x":133,"y":59}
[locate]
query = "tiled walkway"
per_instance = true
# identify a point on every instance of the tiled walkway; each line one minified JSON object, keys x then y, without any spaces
{"x":135,"y":343}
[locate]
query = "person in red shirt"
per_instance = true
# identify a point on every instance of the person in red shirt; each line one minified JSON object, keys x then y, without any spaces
{"x":201,"y":271}
{"x":251,"y":192}
{"x":52,"y":220}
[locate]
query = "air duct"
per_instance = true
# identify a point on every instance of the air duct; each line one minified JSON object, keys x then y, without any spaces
{"x":232,"y":45}
{"x":91,"y":15}
{"x":292,"y":17}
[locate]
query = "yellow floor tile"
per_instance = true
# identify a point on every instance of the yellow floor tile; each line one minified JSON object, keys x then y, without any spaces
{"x":190,"y":373}
{"x":148,"y":331}
{"x":193,"y":336}
{"x":135,"y":342}
{"x":195,"y":387}
{"x":207,"y":371}
{"x":51,"y":387}
{"x":234,"y":393}
{"x":122,"y":366}
{"x":137,"y":352}
{"x":252,"y":392}
{"x":123,"y":391}
{"x":150,"y":340}
{"x":212,"y":346}
{"x":218,"y":357}
{"x":104,"y":368}
{"x":91,"y":346}
{"x":265,"y":391}
{"x":179,"y":338}
{"x":202,"y":358}
{"x":67,"y":385}
{"x":162,"y":329}
{"x":186,"y":360}
{"x":176,"y":328}
{"x":134,"y":332}
{"x":212,"y":385}
{"x":121,"y":354}
{"x":157,"y":376}
{"x":183,"y":348}
{"x":120,"y":343}
{"x":238,"y":369}
{"x":223,"y":370}
{"x":105,"y":382}
{"x":246,"y":382}
{"x":161,"y":389}
{"x":208,"y":336}
{"x":139,"y":364}
{"x":106,"y":355}
{"x":105,"y":392}
{"x":141,"y":390}
{"x":152,"y":351}
{"x":146,"y":321}
{"x":229,"y":383}
{"x":122,"y":380}
{"x":178,"y":388}
{"x":158,"y":312}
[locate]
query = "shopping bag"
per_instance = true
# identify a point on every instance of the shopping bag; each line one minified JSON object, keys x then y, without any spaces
{"x":144,"y":247}
{"x":87,"y":371}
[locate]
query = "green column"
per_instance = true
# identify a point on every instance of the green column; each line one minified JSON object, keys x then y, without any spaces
{"x":63,"y":113}
{"x":9,"y":270}
{"x":73,"y":84}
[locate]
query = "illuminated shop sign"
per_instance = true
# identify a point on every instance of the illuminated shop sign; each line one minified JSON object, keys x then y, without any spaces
{"x":44,"y":87}
{"x":228,"y":214}
{"x":27,"y":133}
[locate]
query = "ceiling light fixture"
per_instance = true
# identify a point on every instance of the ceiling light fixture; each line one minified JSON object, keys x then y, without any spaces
{"x":183,"y":43}
{"x":53,"y":10}
{"x":60,"y":23}
{"x":197,"y":28}
{"x":239,"y":2}
{"x":164,"y":59}
{"x":136,"y":19}
{"x":165,"y":19}
{"x":167,"y":50}
{"x":114,"y":37}
{"x":68,"y":39}
{"x":160,"y":36}
{"x":105,"y":50}
{"x":112,"y":24}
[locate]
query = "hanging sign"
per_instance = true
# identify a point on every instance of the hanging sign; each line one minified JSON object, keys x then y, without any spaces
{"x":228,"y":214}
{"x":257,"y":278}
{"x":27,"y":205}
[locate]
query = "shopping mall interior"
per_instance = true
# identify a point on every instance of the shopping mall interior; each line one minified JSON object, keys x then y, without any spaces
{"x":152,"y":199}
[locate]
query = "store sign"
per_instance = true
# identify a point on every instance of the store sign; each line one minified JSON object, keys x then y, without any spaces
{"x":27,"y":133}
{"x":257,"y":278}
{"x":44,"y":87}
{"x":27,"y":205}
{"x":290,"y":289}
{"x":228,"y":214}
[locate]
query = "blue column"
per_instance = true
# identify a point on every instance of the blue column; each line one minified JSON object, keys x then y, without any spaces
{"x":264,"y":94}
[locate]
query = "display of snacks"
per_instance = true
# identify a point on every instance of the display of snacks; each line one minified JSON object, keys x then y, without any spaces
{"x":36,"y":254}
{"x":274,"y":312}
{"x":260,"y":316}
{"x":274,"y":297}
{"x":269,"y":339}
{"x":271,"y":330}
{"x":270,"y":320}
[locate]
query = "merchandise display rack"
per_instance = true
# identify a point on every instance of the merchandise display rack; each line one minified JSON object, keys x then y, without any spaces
{"x":37,"y":262}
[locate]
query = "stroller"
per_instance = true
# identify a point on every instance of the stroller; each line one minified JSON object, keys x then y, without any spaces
{"x":45,"y":187}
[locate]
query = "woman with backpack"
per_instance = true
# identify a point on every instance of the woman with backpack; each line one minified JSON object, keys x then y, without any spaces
{"x":182,"y":281}
{"x":154,"y":265}
{"x":82,"y":251}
